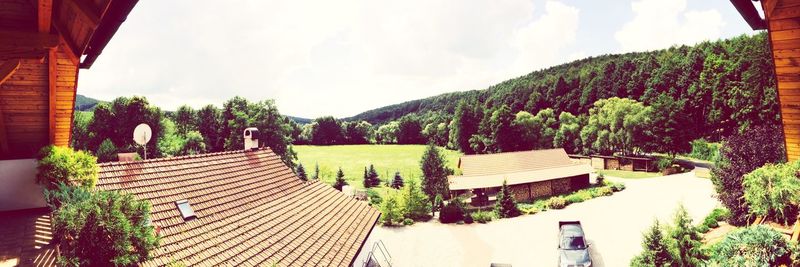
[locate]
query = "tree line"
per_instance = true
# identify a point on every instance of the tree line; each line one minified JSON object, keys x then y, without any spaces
{"x":714,"y":89}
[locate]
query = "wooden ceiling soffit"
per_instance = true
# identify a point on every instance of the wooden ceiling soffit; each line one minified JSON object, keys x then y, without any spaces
{"x":44,"y":9}
{"x":17,"y":53}
{"x":7,"y":69}
{"x":27,"y":40}
{"x":85,"y":10}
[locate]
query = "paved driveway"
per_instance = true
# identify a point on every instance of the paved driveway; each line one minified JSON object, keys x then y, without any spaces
{"x":613,"y":226}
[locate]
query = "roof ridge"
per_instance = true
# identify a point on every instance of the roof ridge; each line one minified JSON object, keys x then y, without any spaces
{"x":512,"y":152}
{"x":176,"y":158}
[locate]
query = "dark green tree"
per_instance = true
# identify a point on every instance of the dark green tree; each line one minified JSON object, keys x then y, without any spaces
{"x":107,"y":152}
{"x":103,"y":228}
{"x":326,"y":131}
{"x":417,"y":206}
{"x":409,"y":131}
{"x":688,"y":241}
{"x":434,"y":173}
{"x":655,"y":249}
{"x":301,"y":172}
{"x":372,"y":177}
{"x":506,"y":206}
{"x":340,"y":182}
{"x":316,"y":171}
{"x":193,"y":144}
{"x":397,"y":182}
{"x":209,"y":124}
{"x":185,"y":119}
{"x":462,"y":127}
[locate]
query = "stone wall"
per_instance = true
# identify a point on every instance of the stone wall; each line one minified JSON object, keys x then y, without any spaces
{"x":561,"y":186}
{"x":521,"y":192}
{"x":541,"y":189}
{"x":612,"y":164}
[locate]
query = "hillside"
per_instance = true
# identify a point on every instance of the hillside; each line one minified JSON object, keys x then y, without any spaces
{"x":84,"y":103}
{"x":727,"y":84}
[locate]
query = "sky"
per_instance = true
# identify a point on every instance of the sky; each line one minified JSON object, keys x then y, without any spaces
{"x":343,"y":57}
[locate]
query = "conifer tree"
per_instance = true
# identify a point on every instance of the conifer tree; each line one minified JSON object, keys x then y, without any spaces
{"x":340,"y":182}
{"x":506,"y":207}
{"x":301,"y":172}
{"x":367,"y":182}
{"x":316,"y":171}
{"x":397,"y":182}
{"x":688,"y":241}
{"x":416,"y":204}
{"x":655,"y":249}
{"x":434,"y":173}
{"x":372,"y":176}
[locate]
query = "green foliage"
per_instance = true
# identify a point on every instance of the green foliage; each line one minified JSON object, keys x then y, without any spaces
{"x":408,"y":222}
{"x":452,"y":212}
{"x":57,"y":165}
{"x":357,"y":132}
{"x":193,"y":144}
{"x":316,"y":172}
{"x":616,"y":125}
{"x":387,"y":133}
{"x":209,"y":124}
{"x":774,"y":190}
{"x":391,"y":209}
{"x":704,"y":150}
{"x":116,"y":121}
{"x":106,"y":152}
{"x":741,"y":154}
{"x":463,"y":125}
{"x":687,"y":240}
{"x":81,"y":136}
{"x":506,"y":207}
{"x":482,"y":216}
{"x":185,"y":119}
{"x":374,"y":197}
{"x":101,"y":228}
{"x":616,"y":187}
{"x":340,"y":181}
{"x":717,"y":215}
{"x":371,"y":178}
{"x":415,"y":203}
{"x":557,"y":203}
{"x":301,"y":172}
{"x":655,"y":249}
{"x":754,"y":246}
{"x":409,"y":131}
{"x":668,"y":129}
{"x":276,"y":130}
{"x":434,"y":172}
{"x":171,"y":143}
{"x":397,"y":182}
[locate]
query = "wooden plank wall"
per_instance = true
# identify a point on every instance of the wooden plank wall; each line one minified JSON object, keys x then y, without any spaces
{"x":24,"y":107}
{"x":783,"y":18}
{"x":66,"y":82}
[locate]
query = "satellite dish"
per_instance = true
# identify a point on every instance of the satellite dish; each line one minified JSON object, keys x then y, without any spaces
{"x":142,"y":134}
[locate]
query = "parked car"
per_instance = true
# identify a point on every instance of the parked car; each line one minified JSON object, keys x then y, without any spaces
{"x":573,"y":251}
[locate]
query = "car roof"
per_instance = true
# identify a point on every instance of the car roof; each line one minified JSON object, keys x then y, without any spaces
{"x":572,"y":230}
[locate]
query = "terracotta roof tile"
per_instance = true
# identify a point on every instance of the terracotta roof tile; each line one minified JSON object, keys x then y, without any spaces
{"x":251,"y":210}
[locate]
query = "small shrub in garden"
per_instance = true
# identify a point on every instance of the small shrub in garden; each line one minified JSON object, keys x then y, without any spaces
{"x":374,"y":197}
{"x":408,"y":221}
{"x":391,"y":209}
{"x":452,"y":212}
{"x":482,"y":216}
{"x":773,"y":190}
{"x":703,"y":228}
{"x":605,"y":191}
{"x":754,"y":246}
{"x":710,"y":222}
{"x":58,"y":165}
{"x":616,"y":187}
{"x":468,"y":218}
{"x":557,"y":203}
{"x":574,"y":198}
{"x":601,"y":179}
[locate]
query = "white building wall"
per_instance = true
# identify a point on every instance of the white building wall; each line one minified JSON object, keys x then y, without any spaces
{"x":18,"y":188}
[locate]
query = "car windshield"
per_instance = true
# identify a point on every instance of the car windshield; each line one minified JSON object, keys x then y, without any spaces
{"x":571,"y":242}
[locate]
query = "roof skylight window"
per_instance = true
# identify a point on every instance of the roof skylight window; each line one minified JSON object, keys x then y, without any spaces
{"x":185,"y":209}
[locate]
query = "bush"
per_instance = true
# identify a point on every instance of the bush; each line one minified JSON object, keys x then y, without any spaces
{"x":408,"y":221}
{"x":703,"y":228}
{"x":754,"y":246}
{"x":374,"y":197}
{"x":739,"y":155}
{"x":468,"y":219}
{"x":710,"y":222}
{"x":390,"y":209}
{"x":482,"y":216}
{"x":58,"y":165}
{"x":415,"y":203}
{"x":574,"y":198}
{"x":452,"y":212}
{"x":616,"y":187}
{"x":557,"y":203}
{"x":664,"y":163}
{"x":605,"y":191}
{"x":655,"y":249}
{"x":601,"y":179}
{"x":102,"y":228}
{"x":702,"y":149}
{"x":774,"y":190}
{"x":106,"y":152}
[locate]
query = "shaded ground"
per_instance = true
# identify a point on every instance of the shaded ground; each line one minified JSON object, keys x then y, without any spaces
{"x":613,"y":226}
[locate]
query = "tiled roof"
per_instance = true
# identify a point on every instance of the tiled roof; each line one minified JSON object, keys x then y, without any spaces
{"x":251,"y":210}
{"x":496,"y":180}
{"x":511,"y":162}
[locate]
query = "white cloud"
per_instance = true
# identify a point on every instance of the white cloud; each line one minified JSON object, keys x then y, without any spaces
{"x":325,"y":57}
{"x":659,"y":24}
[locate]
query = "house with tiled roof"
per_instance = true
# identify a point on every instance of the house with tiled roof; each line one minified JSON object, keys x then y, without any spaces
{"x":529,"y":174}
{"x":243,"y":208}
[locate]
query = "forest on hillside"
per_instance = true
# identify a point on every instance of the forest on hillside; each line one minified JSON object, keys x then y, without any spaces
{"x":635,"y":103}
{"x":727,"y":85}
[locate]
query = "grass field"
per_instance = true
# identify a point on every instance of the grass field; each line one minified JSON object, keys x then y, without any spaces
{"x":353,"y":158}
{"x":629,"y":174}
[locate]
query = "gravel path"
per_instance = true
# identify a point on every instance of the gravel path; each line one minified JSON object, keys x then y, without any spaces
{"x":613,"y":226}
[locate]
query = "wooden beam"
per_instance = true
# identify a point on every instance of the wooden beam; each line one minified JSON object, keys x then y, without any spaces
{"x":52,"y":61}
{"x":3,"y":136}
{"x":85,"y":10}
{"x":17,"y":39}
{"x":71,"y":46}
{"x":7,"y":69}
{"x":45,"y":10}
{"x":769,"y":7}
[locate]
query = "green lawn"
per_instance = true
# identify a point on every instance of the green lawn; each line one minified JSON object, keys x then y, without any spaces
{"x":629,"y":174}
{"x":353,"y":158}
